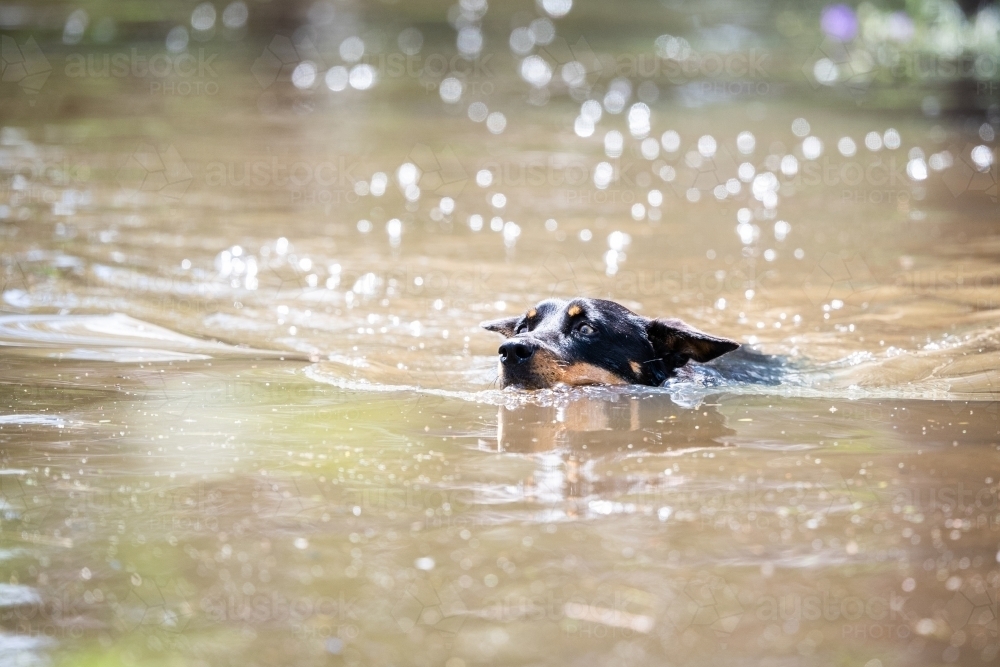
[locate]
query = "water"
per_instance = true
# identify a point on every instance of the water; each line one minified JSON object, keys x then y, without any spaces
{"x":247,"y":418}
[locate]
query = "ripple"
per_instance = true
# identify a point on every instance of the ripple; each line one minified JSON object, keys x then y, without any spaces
{"x":30,"y":420}
{"x":115,"y":337}
{"x":18,"y":595}
{"x":929,"y":374}
{"x":21,"y":650}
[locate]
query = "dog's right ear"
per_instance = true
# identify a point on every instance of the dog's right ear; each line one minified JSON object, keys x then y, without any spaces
{"x":504,"y":327}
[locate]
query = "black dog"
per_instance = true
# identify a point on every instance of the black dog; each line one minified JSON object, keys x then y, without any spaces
{"x":593,"y":341}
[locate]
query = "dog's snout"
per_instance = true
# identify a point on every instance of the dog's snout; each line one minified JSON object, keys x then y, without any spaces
{"x":516,"y":352}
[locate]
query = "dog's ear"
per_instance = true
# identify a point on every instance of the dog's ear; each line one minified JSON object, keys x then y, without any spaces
{"x":504,"y":327}
{"x":677,"y":342}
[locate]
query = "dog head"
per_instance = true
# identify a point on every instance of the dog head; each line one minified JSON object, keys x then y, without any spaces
{"x":596,"y":342}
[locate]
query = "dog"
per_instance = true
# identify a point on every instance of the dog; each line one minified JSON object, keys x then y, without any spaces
{"x":596,"y":342}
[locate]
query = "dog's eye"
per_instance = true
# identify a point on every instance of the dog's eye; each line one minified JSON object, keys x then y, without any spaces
{"x":585,"y":329}
{"x":521,"y":329}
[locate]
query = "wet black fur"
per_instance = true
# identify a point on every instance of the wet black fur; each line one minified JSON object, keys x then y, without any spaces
{"x":658,"y":347}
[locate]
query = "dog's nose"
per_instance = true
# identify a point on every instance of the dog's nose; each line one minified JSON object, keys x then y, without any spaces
{"x":515,"y":352}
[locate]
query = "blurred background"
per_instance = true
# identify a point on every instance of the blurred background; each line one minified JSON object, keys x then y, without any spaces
{"x":247,"y":415}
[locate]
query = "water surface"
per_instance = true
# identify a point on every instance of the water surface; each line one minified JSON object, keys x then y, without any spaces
{"x":248,"y":417}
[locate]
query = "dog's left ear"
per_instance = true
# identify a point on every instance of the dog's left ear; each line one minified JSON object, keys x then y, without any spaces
{"x":504,"y":327}
{"x":677,"y":342}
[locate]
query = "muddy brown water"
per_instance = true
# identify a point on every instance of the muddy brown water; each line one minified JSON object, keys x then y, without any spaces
{"x":248,"y":419}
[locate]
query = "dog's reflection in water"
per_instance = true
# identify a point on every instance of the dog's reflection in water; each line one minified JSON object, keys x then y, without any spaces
{"x":570,"y":441}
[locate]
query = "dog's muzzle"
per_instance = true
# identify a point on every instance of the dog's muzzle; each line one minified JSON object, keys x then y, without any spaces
{"x":523,"y":364}
{"x":516,"y":353}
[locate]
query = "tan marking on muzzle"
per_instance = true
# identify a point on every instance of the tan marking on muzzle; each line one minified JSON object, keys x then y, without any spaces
{"x":542,"y":371}
{"x":580,"y":374}
{"x":545,"y":370}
